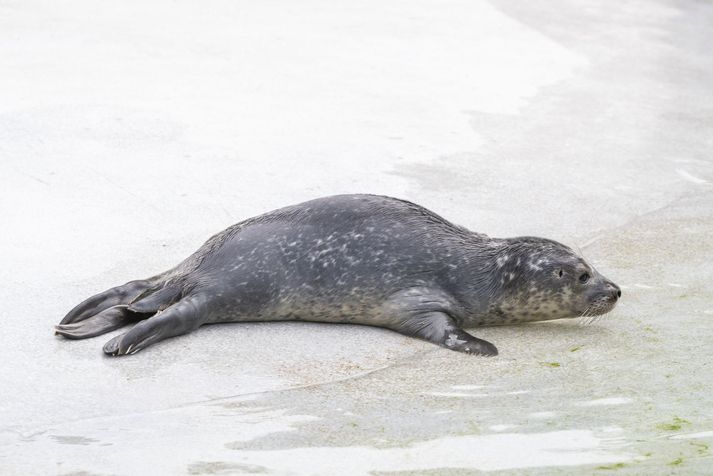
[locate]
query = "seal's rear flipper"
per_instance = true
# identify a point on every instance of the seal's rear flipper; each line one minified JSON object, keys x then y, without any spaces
{"x":181,"y":318}
{"x":106,"y":321}
{"x":156,"y":299}
{"x":109,"y":298}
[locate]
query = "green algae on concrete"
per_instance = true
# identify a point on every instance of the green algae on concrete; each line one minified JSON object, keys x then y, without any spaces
{"x":675,"y":425}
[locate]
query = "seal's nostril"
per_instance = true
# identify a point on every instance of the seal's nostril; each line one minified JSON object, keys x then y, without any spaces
{"x":615,"y":290}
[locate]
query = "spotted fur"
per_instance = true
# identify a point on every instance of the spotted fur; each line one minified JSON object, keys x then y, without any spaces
{"x":360,"y":259}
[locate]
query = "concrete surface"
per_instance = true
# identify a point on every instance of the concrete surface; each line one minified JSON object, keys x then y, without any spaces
{"x":132,"y":131}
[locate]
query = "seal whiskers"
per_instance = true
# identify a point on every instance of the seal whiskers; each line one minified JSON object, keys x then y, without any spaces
{"x":584,"y":316}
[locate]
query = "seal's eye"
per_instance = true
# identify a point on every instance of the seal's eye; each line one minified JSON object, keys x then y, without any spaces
{"x":583,"y":278}
{"x":560,"y":272}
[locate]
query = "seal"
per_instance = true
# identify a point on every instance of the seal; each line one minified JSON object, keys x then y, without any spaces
{"x":359,"y":259}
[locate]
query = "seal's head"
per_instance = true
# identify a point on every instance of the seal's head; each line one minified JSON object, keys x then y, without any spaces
{"x":542,"y":279}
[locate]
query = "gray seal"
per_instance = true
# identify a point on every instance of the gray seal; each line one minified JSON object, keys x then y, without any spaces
{"x":357,"y":259}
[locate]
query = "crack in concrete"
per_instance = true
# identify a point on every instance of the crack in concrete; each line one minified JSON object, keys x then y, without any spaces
{"x":211,"y":401}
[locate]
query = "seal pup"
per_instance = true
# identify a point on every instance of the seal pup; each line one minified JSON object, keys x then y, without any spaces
{"x":358,"y":259}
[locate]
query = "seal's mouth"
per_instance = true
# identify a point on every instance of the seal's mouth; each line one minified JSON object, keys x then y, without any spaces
{"x":602,"y":302}
{"x":597,"y":308}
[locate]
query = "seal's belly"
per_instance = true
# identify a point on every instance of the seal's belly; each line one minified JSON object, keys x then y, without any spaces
{"x":303,"y":305}
{"x":499,"y":319}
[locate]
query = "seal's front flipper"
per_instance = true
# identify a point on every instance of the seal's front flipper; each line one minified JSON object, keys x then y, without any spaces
{"x":440,"y":328}
{"x":106,"y":321}
{"x":111,"y":297}
{"x":460,"y":340}
{"x":425,"y":312}
{"x":180,"y":318}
